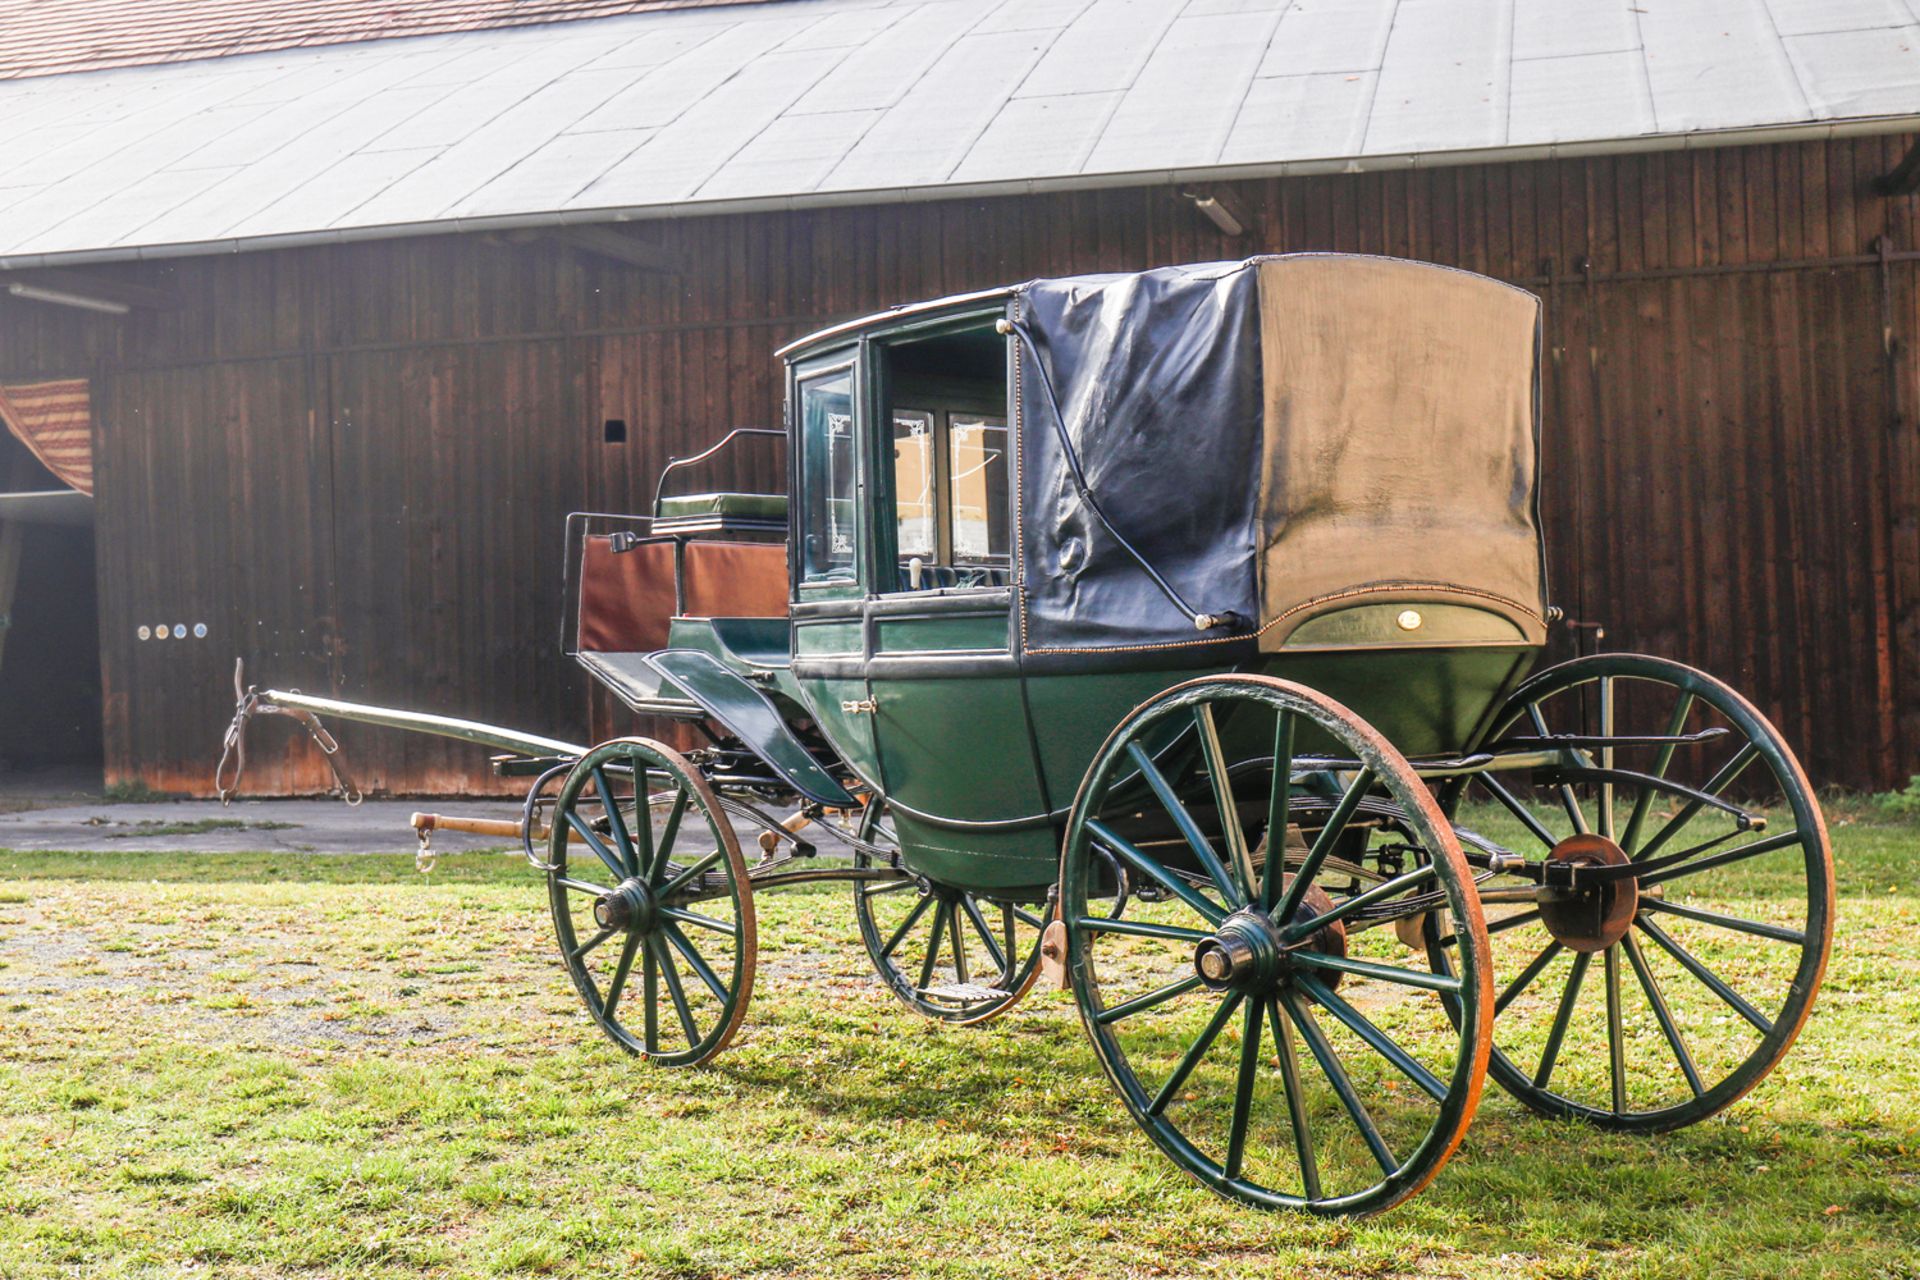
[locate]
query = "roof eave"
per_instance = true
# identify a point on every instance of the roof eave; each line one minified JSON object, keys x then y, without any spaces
{"x":1805,"y":131}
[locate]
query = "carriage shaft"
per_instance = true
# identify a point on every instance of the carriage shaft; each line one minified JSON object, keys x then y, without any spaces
{"x":486,"y":735}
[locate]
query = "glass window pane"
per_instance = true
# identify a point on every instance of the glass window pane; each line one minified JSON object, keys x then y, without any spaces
{"x":915,"y":507}
{"x":978,"y":465}
{"x":827,"y":485}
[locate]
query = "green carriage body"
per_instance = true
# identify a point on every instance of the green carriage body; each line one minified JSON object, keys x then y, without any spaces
{"x":920,"y":644}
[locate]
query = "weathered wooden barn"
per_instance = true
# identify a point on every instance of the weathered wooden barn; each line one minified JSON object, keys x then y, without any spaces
{"x":351,"y":337}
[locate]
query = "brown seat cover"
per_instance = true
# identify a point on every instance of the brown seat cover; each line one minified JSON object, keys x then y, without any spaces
{"x":626,"y":600}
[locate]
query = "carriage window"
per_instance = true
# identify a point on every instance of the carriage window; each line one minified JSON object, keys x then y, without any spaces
{"x":915,"y":506}
{"x":951,"y":475}
{"x":977,"y":463}
{"x":827,"y":484}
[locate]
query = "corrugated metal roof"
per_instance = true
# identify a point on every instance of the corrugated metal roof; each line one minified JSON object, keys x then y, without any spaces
{"x":858,"y":101}
{"x":39,"y":38}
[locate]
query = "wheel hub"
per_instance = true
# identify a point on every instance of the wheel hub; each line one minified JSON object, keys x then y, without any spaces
{"x":1247,"y":952}
{"x":1588,"y":917}
{"x":630,"y":906}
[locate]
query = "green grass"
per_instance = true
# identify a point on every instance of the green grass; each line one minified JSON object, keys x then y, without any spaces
{"x":275,"y":1064}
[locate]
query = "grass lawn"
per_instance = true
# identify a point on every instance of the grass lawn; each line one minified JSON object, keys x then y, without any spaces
{"x":244,"y":1065}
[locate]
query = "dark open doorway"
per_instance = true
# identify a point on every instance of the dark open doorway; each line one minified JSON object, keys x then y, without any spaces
{"x":50,"y":701}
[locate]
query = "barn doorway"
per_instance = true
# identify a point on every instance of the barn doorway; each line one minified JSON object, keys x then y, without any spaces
{"x":50,"y":694}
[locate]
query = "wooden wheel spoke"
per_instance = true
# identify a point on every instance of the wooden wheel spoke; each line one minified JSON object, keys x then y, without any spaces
{"x":699,"y":921}
{"x":1296,"y":1101}
{"x":668,"y":833}
{"x":1026,"y":917}
{"x":1243,"y":1092}
{"x":1720,"y":781}
{"x":600,"y":851}
{"x":933,"y":948}
{"x":675,"y":991}
{"x":618,"y":982}
{"x":1513,"y":921}
{"x":1642,"y":802}
{"x":581,"y":949}
{"x":1383,"y":1044}
{"x":1336,"y":1073}
{"x":617,"y":821}
{"x":1208,"y":909}
{"x":1279,"y":804}
{"x":1757,"y":928}
{"x":958,"y":942}
{"x":1195,"y":1052}
{"x":1235,"y":835}
{"x":1347,"y":906}
{"x":1727,"y":857}
{"x":979,"y":922}
{"x":696,"y":962}
{"x":1616,"y":1037}
{"x":1562,"y":1018}
{"x":1568,"y":801}
{"x":1158,"y":996}
{"x":1184,"y":823}
{"x":1323,"y":844}
{"x":692,"y":873}
{"x":1142,"y":929}
{"x":1707,"y":977}
{"x":899,"y":935}
{"x":582,"y":886}
{"x":1512,"y":804}
{"x":650,"y":998}
{"x":1606,"y":756}
{"x":1424,"y":979}
{"x":1662,"y":1014}
{"x":1525,"y":978}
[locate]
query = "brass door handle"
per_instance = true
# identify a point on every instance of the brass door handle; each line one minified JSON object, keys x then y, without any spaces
{"x":864,"y":707}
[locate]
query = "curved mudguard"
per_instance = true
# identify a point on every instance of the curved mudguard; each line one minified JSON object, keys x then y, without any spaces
{"x":749,"y":715}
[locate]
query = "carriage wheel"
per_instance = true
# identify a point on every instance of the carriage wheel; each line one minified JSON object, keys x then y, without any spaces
{"x":654,"y":917}
{"x":951,"y":955}
{"x":1708,"y":962}
{"x":1261,"y":1026}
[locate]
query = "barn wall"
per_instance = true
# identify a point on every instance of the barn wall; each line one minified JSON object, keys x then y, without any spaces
{"x":353,"y":462}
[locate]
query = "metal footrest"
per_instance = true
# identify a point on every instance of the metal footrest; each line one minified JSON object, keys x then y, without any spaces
{"x":963,"y":993}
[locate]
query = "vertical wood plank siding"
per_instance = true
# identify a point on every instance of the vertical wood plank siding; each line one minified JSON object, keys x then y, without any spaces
{"x":352,"y":463}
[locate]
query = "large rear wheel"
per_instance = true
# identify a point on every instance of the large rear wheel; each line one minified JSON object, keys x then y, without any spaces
{"x":1253,"y":1008}
{"x":1655,"y":999}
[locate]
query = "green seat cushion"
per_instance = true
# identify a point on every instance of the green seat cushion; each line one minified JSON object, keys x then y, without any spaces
{"x":737,"y":506}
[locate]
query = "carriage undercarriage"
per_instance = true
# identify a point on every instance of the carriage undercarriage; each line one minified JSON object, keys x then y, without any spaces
{"x":1382,"y":902}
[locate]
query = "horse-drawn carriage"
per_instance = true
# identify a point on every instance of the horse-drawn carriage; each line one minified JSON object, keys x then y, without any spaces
{"x":1173,"y":634}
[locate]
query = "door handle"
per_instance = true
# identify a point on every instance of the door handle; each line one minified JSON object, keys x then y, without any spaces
{"x":864,"y":707}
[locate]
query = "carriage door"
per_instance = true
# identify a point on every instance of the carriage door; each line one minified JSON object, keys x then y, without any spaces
{"x":829,"y":650}
{"x":950,"y":723}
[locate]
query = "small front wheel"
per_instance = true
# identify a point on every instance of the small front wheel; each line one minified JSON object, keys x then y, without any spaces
{"x":647,"y":875}
{"x":1254,"y":1007}
{"x":950,"y":955}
